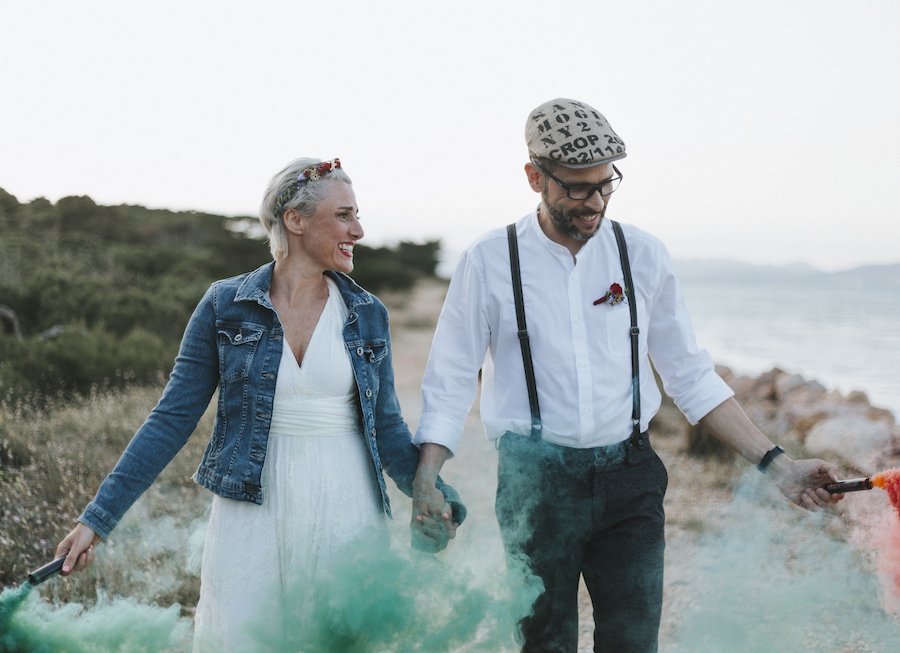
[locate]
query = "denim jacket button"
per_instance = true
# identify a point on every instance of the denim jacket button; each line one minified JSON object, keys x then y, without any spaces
{"x":359,"y":352}
{"x":368,"y":393}
{"x":238,"y":337}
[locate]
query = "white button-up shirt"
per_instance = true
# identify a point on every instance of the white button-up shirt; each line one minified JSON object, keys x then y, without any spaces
{"x":581,"y":351}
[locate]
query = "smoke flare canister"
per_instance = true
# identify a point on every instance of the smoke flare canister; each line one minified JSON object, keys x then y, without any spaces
{"x":851,"y":485}
{"x":38,"y":576}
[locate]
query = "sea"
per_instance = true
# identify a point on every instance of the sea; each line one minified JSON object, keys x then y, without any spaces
{"x":841,"y":329}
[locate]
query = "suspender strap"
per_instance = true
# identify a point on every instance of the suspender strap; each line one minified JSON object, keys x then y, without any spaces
{"x":523,"y":332}
{"x":526,"y":346}
{"x":635,"y":332}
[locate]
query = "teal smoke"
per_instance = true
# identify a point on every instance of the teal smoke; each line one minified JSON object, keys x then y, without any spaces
{"x":377,"y":600}
{"x":775,"y":578}
{"x":30,"y":625}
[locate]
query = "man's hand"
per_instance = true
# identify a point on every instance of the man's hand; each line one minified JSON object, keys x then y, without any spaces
{"x":802,"y":481}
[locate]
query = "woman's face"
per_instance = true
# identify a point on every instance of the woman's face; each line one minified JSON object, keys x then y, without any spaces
{"x":328,"y":236}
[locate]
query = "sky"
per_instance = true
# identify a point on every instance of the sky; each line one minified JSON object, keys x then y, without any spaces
{"x":764,"y":131}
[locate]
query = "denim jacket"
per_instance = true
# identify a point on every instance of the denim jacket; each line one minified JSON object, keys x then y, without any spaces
{"x":233,"y":343}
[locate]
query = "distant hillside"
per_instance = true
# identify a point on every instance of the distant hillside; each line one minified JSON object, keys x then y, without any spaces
{"x":92,"y":295}
{"x":735,"y":271}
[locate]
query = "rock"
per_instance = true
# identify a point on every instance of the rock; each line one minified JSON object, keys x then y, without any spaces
{"x":852,"y":438}
{"x":701,"y":442}
{"x":880,"y":415}
{"x":725,"y":373}
{"x":742,"y":385}
{"x":786,"y":384}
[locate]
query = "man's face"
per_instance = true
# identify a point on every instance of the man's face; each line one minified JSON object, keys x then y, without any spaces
{"x":576,"y":219}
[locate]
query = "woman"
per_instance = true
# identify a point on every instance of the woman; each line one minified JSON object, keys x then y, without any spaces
{"x":307,"y":415}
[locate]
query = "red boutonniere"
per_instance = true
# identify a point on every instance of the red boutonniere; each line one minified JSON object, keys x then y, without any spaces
{"x":614,"y":295}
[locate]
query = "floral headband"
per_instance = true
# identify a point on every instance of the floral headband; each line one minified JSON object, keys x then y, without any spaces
{"x":310,"y":173}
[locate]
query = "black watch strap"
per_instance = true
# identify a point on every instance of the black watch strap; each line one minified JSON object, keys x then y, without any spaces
{"x":768,"y":458}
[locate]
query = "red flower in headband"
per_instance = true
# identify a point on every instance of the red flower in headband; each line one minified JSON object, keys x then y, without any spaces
{"x":315,"y":171}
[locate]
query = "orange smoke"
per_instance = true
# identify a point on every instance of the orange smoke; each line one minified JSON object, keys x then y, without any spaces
{"x":890,"y":482}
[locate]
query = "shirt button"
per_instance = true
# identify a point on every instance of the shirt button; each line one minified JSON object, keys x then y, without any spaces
{"x":368,"y":393}
{"x":587,"y":410}
{"x":581,"y":364}
{"x":577,"y":321}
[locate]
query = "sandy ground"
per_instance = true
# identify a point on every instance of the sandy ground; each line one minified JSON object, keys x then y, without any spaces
{"x":698,"y":490}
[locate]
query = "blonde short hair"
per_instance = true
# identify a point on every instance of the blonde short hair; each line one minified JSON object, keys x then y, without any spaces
{"x":305,"y":200}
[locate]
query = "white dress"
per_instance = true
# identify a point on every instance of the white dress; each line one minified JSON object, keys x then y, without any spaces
{"x":319,"y":492}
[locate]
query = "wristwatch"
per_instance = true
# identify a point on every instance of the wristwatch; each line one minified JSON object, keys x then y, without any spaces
{"x":768,"y":458}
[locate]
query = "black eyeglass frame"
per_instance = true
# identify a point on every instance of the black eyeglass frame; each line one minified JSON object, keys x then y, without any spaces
{"x":595,"y":188}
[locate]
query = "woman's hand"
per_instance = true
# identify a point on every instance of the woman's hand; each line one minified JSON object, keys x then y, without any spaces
{"x":432,"y":524}
{"x":78,"y":547}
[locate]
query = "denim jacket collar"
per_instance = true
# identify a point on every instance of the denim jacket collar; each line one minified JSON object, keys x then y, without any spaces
{"x":255,"y":288}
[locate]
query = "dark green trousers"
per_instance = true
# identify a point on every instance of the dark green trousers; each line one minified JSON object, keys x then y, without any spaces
{"x":596,"y":513}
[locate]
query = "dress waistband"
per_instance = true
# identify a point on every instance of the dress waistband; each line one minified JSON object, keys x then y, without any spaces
{"x":315,"y":416}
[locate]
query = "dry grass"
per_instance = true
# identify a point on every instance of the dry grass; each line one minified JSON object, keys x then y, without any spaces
{"x":53,"y":462}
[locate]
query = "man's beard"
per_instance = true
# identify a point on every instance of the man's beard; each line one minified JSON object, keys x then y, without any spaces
{"x":563,"y":223}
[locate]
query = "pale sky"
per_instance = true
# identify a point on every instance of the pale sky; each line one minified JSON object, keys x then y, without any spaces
{"x":764,"y":131}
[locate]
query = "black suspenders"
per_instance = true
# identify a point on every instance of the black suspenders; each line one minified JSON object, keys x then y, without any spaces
{"x":637,"y":438}
{"x":523,"y":332}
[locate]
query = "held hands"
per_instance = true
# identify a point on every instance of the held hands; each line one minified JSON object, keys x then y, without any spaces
{"x":78,"y":547}
{"x":432,"y":524}
{"x":802,"y":481}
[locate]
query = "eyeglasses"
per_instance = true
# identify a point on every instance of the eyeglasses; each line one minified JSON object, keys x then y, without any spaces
{"x":582,"y":192}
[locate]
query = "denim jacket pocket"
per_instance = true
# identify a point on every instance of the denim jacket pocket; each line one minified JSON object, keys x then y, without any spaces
{"x":237,"y":345}
{"x":373,"y":352}
{"x":370,"y":351}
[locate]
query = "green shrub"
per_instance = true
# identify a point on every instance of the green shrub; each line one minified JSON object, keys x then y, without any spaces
{"x":78,"y":359}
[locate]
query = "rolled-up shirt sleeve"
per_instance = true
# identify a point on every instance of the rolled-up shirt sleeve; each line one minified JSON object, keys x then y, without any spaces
{"x":460,"y":343}
{"x":687,"y":371}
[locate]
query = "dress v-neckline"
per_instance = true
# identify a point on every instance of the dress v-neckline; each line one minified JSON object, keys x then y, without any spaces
{"x":312,"y":338}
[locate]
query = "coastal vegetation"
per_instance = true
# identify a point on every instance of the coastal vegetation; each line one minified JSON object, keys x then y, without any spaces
{"x":98,"y":296}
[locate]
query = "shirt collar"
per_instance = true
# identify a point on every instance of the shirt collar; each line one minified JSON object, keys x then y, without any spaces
{"x":534,"y":225}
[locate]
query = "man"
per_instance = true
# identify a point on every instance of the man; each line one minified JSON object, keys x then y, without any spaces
{"x":580,"y":490}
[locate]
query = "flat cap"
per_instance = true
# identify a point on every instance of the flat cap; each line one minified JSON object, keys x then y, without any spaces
{"x":573,"y":133}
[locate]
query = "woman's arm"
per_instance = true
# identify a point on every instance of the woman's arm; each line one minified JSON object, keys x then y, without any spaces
{"x":163,"y":434}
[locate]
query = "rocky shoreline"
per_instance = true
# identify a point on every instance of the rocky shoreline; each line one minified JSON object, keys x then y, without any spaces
{"x":805,"y":417}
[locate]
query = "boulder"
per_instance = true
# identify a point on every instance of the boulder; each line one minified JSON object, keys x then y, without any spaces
{"x":854,"y":439}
